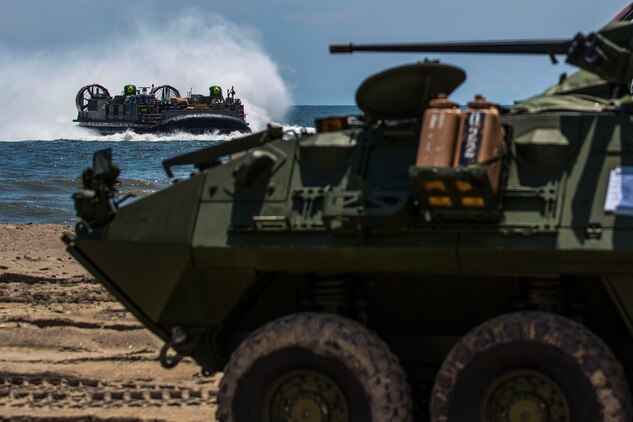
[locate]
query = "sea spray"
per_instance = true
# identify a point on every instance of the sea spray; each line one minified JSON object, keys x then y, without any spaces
{"x":193,"y":51}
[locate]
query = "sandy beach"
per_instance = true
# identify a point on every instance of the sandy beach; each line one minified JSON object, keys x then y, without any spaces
{"x":69,"y":351}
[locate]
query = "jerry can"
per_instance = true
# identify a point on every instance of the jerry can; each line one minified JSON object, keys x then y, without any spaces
{"x":480,"y":139}
{"x":438,"y":136}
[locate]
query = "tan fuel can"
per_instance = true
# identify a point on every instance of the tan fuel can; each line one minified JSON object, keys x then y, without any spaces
{"x":480,"y":139}
{"x":438,"y":136}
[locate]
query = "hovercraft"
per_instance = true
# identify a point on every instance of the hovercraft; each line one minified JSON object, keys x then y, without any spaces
{"x":159,"y":109}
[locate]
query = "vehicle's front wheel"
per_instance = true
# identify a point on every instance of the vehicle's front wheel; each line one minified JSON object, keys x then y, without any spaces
{"x":531,"y":366}
{"x":313,"y":367}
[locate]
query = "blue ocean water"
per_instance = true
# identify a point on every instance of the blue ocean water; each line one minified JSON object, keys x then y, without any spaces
{"x":37,"y":178}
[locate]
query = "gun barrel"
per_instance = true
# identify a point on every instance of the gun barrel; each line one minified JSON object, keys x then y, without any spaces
{"x":550,"y":47}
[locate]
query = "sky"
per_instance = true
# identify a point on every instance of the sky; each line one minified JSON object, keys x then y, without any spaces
{"x":275,"y":52}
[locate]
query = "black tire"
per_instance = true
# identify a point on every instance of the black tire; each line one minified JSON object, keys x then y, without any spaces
{"x":336,"y":352}
{"x":561,"y":362}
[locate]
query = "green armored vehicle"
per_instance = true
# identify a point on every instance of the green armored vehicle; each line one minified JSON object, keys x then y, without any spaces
{"x":423,"y":260}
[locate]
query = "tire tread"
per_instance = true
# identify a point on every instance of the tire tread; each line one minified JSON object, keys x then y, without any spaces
{"x":588,"y":351}
{"x":330,"y":335}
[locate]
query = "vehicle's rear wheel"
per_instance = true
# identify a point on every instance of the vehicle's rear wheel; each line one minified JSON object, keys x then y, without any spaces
{"x":313,"y":367}
{"x":531,"y":366}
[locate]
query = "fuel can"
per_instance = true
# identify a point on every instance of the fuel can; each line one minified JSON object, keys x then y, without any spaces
{"x":438,"y":136}
{"x":480,"y":139}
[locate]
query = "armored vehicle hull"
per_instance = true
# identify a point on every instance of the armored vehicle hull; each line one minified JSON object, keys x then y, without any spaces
{"x":340,"y":276}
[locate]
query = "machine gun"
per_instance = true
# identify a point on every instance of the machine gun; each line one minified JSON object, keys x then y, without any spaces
{"x":606,"y":53}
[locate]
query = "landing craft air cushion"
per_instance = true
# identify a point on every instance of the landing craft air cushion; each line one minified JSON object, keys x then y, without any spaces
{"x":421,"y":259}
{"x":159,"y":109}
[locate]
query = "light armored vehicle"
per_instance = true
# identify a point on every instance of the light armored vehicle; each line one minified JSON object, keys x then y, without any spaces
{"x":423,"y":260}
{"x":159,"y":109}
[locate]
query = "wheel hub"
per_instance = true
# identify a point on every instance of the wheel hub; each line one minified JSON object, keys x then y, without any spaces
{"x":306,"y":396}
{"x":525,"y":396}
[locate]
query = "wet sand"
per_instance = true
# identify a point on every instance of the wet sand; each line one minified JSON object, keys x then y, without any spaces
{"x":70,"y":351}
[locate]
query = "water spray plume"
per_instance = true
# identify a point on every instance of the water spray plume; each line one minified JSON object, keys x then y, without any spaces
{"x":192,"y":51}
